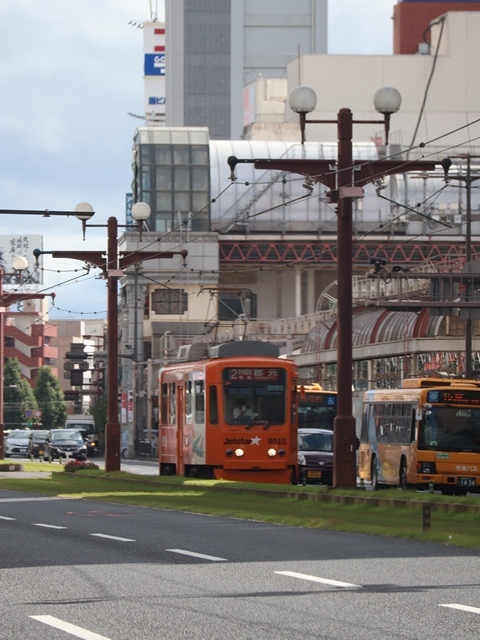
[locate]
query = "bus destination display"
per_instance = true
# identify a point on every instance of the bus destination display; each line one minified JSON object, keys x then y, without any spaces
{"x":457,"y":396}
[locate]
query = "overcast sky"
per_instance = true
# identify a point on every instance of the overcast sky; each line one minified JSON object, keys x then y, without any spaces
{"x":70,"y":74}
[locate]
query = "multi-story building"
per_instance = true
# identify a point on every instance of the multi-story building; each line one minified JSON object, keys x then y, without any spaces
{"x":411,"y":19}
{"x":214,"y":48}
{"x":30,"y":338}
{"x":88,"y":336}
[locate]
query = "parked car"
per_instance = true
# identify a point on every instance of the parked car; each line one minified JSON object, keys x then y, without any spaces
{"x":16,"y":443}
{"x":36,"y":443}
{"x":315,"y":456}
{"x":64,"y":443}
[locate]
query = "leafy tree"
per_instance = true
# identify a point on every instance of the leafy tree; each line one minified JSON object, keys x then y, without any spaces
{"x":18,"y":395}
{"x":50,"y":399}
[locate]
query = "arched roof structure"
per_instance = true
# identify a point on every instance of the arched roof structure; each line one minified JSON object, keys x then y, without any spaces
{"x":373,"y":326}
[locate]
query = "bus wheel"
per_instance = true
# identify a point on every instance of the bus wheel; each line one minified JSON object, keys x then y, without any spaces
{"x":403,"y":475}
{"x":374,"y":475}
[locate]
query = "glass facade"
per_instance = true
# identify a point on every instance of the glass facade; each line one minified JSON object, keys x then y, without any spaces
{"x":172,"y":175}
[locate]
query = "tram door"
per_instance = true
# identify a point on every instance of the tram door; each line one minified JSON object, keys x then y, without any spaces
{"x":181,"y":444}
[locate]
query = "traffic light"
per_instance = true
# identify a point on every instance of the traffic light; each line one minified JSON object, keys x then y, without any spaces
{"x":76,"y":363}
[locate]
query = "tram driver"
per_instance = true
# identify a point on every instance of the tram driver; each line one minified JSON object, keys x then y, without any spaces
{"x":241,"y":411}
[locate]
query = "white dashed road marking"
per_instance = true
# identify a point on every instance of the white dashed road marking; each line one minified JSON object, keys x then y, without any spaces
{"x":47,"y":526}
{"x":32,"y":499}
{"x":72,"y":629}
{"x":304,"y":576}
{"x":461,"y":607}
{"x":197,"y":555}
{"x":103,"y":535}
{"x":5,"y":518}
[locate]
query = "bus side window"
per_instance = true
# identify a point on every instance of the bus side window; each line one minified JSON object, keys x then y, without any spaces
{"x":364,"y":427}
{"x":213,"y":405}
{"x":412,"y":425}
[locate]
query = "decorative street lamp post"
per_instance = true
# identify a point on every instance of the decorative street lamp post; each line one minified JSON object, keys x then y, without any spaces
{"x":345,"y":184}
{"x":112,"y":264}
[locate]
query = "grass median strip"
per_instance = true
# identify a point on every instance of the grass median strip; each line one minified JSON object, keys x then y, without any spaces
{"x":388,"y":512}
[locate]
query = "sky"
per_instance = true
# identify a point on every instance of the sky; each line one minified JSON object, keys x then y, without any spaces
{"x":70,"y":75}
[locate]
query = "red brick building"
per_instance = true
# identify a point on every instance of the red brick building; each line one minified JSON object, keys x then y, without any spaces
{"x":412,"y":17}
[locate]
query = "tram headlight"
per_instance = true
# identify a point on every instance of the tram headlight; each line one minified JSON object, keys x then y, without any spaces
{"x":239,"y":453}
{"x":281,"y":452}
{"x":228,"y":452}
{"x":271,"y":453}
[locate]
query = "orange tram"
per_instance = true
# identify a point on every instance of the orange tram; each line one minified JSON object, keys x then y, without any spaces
{"x":229,"y":413}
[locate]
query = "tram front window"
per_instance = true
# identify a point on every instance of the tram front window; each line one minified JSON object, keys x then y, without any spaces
{"x":254,"y":395}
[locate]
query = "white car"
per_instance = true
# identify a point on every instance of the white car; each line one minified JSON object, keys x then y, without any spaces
{"x":16,"y":443}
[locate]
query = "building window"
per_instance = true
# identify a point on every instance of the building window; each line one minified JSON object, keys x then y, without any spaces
{"x":169,"y":301}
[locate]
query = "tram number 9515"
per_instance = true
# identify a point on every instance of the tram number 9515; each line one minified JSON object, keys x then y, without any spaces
{"x":277,"y":441}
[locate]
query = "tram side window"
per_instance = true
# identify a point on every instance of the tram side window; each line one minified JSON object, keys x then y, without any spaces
{"x":164,"y":404}
{"x":188,"y":402}
{"x":213,"y":405}
{"x":173,"y":413}
{"x":199,"y":401}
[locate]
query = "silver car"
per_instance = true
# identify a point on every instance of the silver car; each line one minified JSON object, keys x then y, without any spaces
{"x":16,"y":443}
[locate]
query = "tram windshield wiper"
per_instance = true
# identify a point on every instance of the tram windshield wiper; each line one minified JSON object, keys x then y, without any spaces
{"x":255,"y":421}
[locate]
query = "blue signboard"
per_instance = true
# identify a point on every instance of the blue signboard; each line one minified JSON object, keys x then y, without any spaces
{"x":153,"y":100}
{"x":154,"y":64}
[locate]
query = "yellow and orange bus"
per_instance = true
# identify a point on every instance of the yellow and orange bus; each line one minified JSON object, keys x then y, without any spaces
{"x":229,"y":412}
{"x":424,"y":434}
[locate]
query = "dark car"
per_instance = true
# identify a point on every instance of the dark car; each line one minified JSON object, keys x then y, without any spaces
{"x":36,"y":443}
{"x":315,"y":456}
{"x":64,"y":443}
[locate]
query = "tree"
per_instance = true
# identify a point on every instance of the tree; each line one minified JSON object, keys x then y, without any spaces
{"x":18,"y":396}
{"x":50,"y":399}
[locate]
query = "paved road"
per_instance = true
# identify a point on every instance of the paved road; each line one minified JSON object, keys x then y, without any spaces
{"x":76,"y":568}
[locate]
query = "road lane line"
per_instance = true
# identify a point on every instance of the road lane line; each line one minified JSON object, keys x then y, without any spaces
{"x":32,"y":499}
{"x":103,"y":535}
{"x":197,"y":555}
{"x":6,"y":518}
{"x":461,"y":607}
{"x":47,"y":526}
{"x":72,"y":629}
{"x":304,"y":576}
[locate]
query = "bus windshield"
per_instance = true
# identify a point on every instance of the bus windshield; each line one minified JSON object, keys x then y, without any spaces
{"x":254,"y":395}
{"x":316,"y":414}
{"x":450,"y":429}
